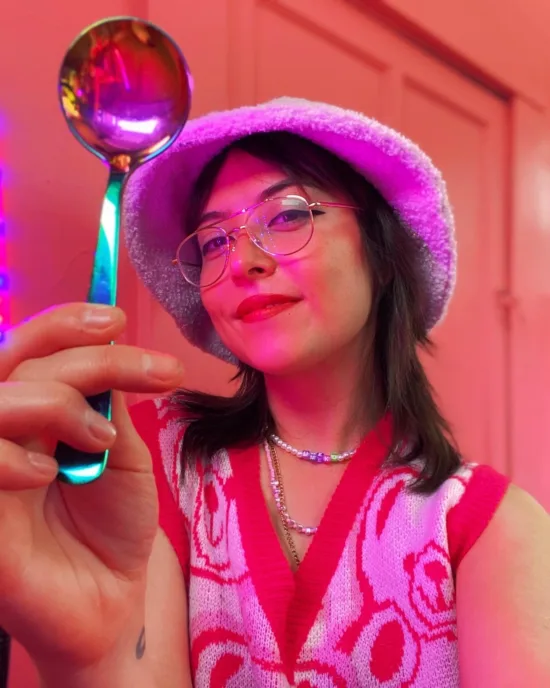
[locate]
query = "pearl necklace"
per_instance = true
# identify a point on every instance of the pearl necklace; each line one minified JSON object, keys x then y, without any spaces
{"x":278,"y":494}
{"x":313,"y":457}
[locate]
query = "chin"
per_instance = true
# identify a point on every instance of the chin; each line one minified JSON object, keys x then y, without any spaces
{"x":276,"y":366}
{"x":281,"y":361}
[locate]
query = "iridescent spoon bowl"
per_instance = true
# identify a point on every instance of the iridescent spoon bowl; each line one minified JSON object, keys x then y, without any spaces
{"x":125,"y":91}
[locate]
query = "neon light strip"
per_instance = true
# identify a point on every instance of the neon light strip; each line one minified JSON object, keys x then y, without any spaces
{"x":4,"y":281}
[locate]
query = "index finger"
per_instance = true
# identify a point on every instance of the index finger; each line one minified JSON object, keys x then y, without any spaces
{"x":57,"y":328}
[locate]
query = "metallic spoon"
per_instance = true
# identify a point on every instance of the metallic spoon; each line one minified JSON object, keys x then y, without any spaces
{"x":125,"y":92}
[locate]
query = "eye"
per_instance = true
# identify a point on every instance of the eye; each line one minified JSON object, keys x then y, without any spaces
{"x":290,"y":218}
{"x":214,"y":246}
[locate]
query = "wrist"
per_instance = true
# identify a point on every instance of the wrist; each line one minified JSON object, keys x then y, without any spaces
{"x":114,"y":672}
{"x":120,"y":669}
{"x":126,"y":665}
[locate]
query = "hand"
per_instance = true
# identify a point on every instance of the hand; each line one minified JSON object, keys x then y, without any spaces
{"x":74,"y":558}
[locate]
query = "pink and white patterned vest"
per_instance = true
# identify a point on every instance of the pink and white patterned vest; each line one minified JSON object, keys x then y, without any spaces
{"x":371,"y":605}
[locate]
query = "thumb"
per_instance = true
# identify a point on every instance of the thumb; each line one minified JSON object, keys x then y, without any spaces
{"x":129,"y":452}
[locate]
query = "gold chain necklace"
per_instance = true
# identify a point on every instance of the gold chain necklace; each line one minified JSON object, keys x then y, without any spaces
{"x":272,"y":454}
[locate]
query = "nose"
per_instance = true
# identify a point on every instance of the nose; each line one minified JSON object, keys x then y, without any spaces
{"x":246,"y":260}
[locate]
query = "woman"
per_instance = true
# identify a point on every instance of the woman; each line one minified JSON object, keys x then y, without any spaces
{"x":319,"y":528}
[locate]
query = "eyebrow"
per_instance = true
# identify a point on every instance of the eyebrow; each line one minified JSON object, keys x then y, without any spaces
{"x":273,"y":189}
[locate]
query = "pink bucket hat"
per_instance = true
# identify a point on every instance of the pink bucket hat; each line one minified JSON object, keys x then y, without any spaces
{"x":156,"y":196}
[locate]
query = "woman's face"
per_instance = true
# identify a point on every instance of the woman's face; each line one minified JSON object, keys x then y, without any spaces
{"x":326,"y":286}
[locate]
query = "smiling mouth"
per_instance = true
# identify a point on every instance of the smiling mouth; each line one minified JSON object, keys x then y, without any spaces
{"x":267,"y":311}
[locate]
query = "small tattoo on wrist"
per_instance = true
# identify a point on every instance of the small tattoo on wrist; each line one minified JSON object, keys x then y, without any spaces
{"x":140,"y":647}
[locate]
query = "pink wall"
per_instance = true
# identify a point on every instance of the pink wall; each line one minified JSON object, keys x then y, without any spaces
{"x":52,"y":187}
{"x":51,"y":212}
{"x":507,"y":39}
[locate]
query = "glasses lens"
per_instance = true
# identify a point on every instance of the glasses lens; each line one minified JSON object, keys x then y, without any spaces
{"x":281,"y":225}
{"x":202,"y":256}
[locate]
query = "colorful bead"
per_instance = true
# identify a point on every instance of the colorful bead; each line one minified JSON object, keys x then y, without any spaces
{"x":314,"y":457}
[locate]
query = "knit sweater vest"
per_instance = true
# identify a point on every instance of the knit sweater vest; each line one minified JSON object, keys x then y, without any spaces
{"x":371,"y":605}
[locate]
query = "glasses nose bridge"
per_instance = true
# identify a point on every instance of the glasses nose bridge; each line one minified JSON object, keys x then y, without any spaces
{"x":235,"y":232}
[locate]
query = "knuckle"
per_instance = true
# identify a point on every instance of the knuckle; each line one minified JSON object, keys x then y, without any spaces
{"x":59,"y":314}
{"x":107,"y":362}
{"x":68,"y":318}
{"x":22,"y":372}
{"x":72,"y":318}
{"x":124,"y":358}
{"x":129,"y":361}
{"x":63,"y":397}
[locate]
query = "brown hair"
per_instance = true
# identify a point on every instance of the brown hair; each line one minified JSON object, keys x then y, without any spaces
{"x":394,"y":254}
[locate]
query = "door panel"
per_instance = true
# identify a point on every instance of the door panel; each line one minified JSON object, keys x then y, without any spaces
{"x":306,"y":66}
{"x":470,"y":366}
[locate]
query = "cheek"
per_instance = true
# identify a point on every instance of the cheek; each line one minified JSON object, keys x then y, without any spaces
{"x":340,"y":281}
{"x":213,"y":302}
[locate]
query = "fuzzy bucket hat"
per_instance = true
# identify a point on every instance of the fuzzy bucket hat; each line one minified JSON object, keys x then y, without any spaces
{"x":156,"y":196}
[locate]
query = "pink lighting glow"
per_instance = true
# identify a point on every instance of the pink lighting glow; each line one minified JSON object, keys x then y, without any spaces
{"x":4,"y":282}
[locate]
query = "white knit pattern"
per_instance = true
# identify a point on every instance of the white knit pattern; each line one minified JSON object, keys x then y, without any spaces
{"x":389,"y":607}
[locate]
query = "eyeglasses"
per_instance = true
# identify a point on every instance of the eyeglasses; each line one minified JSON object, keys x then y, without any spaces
{"x":278,"y":226}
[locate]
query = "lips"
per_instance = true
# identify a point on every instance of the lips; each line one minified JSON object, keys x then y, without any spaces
{"x":263,"y":306}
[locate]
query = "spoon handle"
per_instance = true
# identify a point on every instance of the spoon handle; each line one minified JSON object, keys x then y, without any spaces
{"x":77,"y":467}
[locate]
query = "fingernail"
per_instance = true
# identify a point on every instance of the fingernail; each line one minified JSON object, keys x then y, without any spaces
{"x":99,"y":316}
{"x":42,"y":463}
{"x":161,"y":367}
{"x":100,"y":428}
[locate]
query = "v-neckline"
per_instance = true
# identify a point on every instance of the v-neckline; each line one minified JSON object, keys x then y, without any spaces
{"x":291,"y":600}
